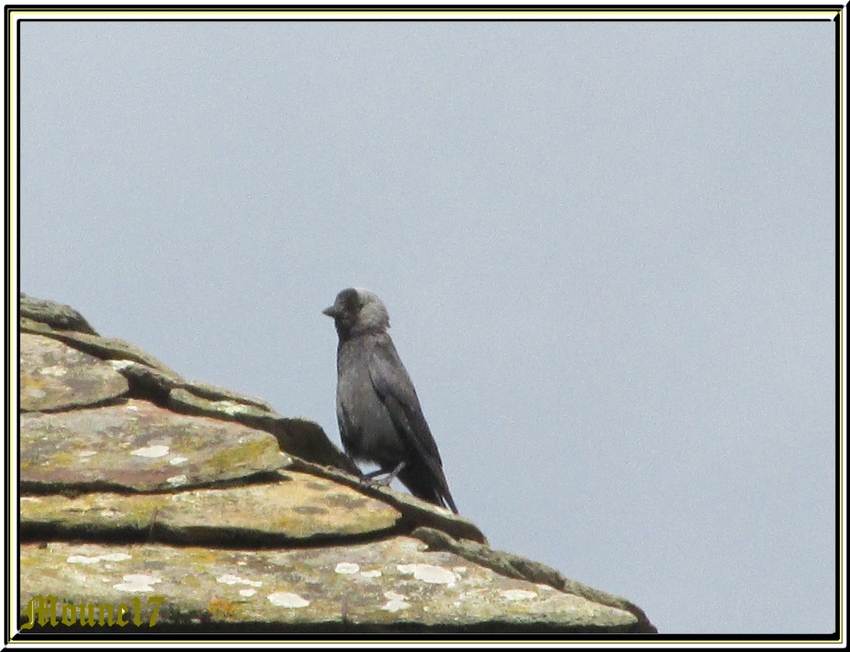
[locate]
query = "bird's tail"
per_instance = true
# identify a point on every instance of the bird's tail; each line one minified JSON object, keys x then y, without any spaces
{"x":422,"y":484}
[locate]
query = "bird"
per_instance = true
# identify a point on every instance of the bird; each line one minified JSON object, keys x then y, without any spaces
{"x":378,"y":412}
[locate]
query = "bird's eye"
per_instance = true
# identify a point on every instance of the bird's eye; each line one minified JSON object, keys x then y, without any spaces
{"x":352,"y":303}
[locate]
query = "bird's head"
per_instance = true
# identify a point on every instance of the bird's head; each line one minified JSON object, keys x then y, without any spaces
{"x":357,"y":310}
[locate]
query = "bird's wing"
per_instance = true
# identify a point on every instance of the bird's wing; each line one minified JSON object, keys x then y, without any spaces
{"x":393,"y":386}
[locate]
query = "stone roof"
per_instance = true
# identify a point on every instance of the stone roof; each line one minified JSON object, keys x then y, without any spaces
{"x":208,"y":510}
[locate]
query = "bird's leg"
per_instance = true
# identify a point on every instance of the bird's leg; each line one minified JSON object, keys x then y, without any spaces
{"x":386,"y":481}
{"x":396,"y":471}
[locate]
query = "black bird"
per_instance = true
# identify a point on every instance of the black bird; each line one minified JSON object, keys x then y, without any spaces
{"x":377,"y":409}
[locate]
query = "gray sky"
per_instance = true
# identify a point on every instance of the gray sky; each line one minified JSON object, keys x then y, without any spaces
{"x":607,"y":250}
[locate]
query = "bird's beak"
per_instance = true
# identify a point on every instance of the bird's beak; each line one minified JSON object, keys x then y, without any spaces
{"x":330,"y":311}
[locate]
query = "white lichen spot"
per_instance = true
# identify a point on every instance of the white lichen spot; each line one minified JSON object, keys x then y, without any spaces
{"x":395,"y":602}
{"x":177,"y":480}
{"x":230,"y":408}
{"x":55,"y":370}
{"x":121,"y":365}
{"x":137,"y":583}
{"x":517,"y":594}
{"x":371,"y":573}
{"x":177,"y":461}
{"x":428,"y":573}
{"x":158,"y":450}
{"x":86,"y":453}
{"x":116,"y":556}
{"x":112,"y":556}
{"x":459,"y":570}
{"x":30,"y":499}
{"x":133,"y":408}
{"x":246,"y":593}
{"x":347,"y":568}
{"x":545,"y":587}
{"x":288,"y":600}
{"x":82,"y":559}
{"x":235,"y":579}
